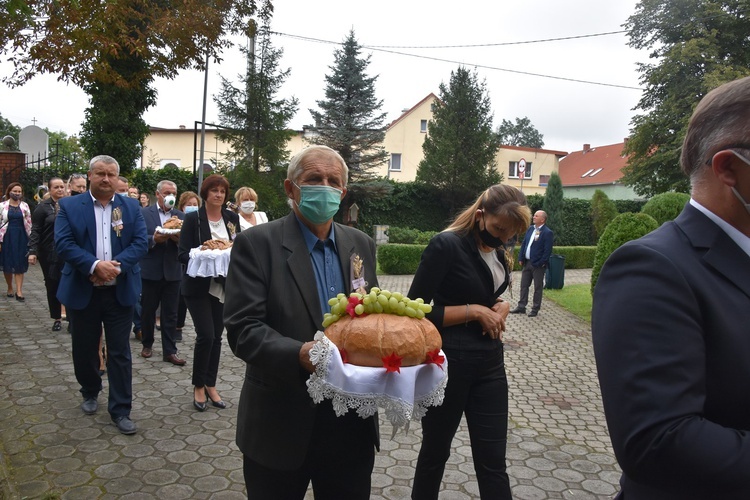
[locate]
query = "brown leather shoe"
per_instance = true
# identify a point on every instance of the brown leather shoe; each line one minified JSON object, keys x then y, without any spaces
{"x":172,"y":358}
{"x":146,"y":352}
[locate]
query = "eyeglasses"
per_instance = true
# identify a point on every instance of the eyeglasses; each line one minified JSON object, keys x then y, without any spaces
{"x":724,"y":148}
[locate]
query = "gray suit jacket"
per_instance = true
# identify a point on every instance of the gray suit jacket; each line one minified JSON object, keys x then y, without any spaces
{"x":671,"y":332}
{"x":271,"y":309}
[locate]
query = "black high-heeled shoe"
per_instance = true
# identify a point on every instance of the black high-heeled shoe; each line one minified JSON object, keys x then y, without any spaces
{"x":218,"y":404}
{"x":200,"y":405}
{"x":56,"y":326}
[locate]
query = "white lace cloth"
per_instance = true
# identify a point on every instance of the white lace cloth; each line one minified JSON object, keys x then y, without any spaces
{"x":208,"y":263}
{"x":404,"y":396}
{"x":164,"y":230}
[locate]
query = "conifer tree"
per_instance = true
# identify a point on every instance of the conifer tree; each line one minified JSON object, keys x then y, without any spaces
{"x":553,"y":206}
{"x":255,"y":117}
{"x":460,"y":149}
{"x":349,"y":120}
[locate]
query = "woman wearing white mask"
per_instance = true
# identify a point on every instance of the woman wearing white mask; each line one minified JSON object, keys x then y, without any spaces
{"x":246,"y":200}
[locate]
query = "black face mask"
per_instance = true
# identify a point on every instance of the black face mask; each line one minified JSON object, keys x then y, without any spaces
{"x":74,"y":193}
{"x":488,"y":239}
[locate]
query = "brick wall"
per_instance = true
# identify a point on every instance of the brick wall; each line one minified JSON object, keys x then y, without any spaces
{"x":11,"y":166}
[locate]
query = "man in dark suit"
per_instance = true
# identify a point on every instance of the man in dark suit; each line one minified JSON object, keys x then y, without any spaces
{"x":534,"y":258}
{"x":670,"y":324}
{"x":101,"y":238}
{"x":161,"y":274}
{"x":280,"y":279}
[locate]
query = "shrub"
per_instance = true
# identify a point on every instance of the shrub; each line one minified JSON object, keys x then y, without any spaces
{"x":409,"y":236}
{"x":603,"y":210}
{"x":399,"y":258}
{"x":665,"y":207}
{"x":580,"y":257}
{"x":553,"y":205}
{"x":623,"y":228}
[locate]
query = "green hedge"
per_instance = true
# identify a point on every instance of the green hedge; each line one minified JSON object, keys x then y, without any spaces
{"x":399,"y":258}
{"x":404,"y":259}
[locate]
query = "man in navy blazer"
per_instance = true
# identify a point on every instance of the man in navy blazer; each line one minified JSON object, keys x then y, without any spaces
{"x":161,"y":274}
{"x":101,"y":238}
{"x":534,"y":258}
{"x":670,"y":324}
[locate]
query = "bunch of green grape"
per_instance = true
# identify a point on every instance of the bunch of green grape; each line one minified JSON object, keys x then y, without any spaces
{"x":376,"y":302}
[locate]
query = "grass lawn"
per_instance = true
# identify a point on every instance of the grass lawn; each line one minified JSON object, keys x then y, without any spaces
{"x":574,"y":298}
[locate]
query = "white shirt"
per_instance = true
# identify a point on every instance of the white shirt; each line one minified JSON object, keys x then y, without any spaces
{"x":103,"y":216}
{"x":534,"y":237}
{"x":742,"y":241}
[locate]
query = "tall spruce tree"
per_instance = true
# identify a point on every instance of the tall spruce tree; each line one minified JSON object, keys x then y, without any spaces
{"x":255,"y":117}
{"x":349,"y":120}
{"x":696,"y":45}
{"x":460,"y":149}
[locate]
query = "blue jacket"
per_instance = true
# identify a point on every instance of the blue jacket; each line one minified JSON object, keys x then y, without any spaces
{"x":540,"y":250}
{"x":75,"y":242}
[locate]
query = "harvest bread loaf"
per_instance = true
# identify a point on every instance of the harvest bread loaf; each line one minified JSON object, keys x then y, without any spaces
{"x":216,"y":245}
{"x":368,"y":339}
{"x":172,"y":223}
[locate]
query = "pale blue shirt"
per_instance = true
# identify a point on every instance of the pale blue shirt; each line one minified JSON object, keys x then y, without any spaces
{"x":329,"y":279}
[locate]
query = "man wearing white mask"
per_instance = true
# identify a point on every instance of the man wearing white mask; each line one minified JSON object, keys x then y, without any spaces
{"x":161,"y":273}
{"x":280,"y":278}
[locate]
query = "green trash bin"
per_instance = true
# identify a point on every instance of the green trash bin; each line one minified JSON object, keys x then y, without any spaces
{"x":554,"y":277}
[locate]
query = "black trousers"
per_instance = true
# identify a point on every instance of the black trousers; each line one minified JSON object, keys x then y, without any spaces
{"x":166,"y":293}
{"x":477,"y":387}
{"x":51,"y":282}
{"x":339,"y":463}
{"x":208,"y":319}
{"x":86,"y":329}
{"x":528,"y":274}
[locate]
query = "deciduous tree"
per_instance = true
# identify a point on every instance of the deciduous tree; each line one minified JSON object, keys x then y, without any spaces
{"x":696,"y":45}
{"x":521,"y":133}
{"x":114,"y":50}
{"x":460,"y":149}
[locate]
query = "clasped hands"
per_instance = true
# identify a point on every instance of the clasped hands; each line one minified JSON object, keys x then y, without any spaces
{"x":105,"y":271}
{"x":493,"y":319}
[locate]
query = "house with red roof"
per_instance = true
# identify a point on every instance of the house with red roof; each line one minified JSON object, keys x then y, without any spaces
{"x":583,"y":172}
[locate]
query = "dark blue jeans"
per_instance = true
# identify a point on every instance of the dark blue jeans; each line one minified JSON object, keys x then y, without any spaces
{"x":477,"y":387}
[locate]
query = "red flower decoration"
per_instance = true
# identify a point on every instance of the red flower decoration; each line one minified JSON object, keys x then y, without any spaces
{"x":392,"y":363}
{"x":435,"y":357}
{"x":344,"y":355}
{"x":353,"y":302}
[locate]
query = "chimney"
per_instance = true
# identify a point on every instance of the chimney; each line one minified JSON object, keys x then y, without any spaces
{"x":182,"y":127}
{"x":586,"y":148}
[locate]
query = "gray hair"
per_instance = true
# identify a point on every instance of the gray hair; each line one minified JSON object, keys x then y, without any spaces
{"x":162,"y":183}
{"x":296,"y":166}
{"x":107,"y":160}
{"x":720,"y":121}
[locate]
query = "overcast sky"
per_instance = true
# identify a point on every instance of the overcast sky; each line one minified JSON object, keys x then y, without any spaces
{"x":567,"y":113}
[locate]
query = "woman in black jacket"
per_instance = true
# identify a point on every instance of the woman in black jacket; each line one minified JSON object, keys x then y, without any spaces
{"x":205,"y":296}
{"x":42,"y":247}
{"x":463,"y":271}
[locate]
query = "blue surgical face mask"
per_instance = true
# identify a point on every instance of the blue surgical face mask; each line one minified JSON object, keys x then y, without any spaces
{"x":124,"y":195}
{"x":318,"y":204}
{"x":191,"y":208}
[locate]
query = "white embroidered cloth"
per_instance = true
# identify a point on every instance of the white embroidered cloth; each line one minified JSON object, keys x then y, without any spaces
{"x":404,"y":396}
{"x":208,"y":263}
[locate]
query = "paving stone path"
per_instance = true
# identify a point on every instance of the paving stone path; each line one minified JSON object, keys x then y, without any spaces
{"x":558,"y":441}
